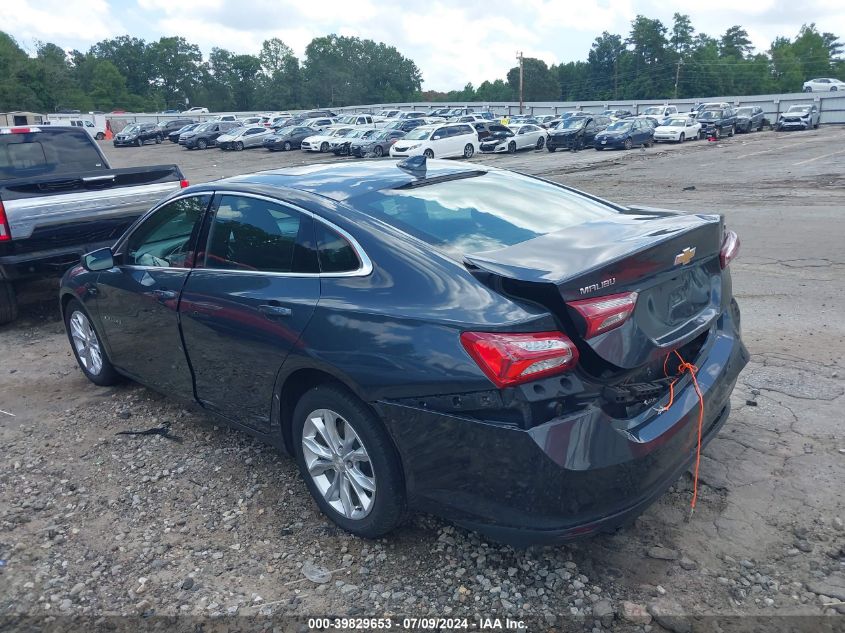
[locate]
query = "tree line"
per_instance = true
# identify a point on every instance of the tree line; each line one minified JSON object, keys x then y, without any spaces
{"x":653,"y":61}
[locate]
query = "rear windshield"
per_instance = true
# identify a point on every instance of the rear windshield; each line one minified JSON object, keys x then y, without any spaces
{"x":481,"y":213}
{"x":54,"y":152}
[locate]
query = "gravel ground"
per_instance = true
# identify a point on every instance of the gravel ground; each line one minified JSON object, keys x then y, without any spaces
{"x":97,"y":524}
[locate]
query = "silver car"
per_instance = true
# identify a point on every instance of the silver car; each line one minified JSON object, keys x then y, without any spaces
{"x":799,"y":117}
{"x":244,"y":137}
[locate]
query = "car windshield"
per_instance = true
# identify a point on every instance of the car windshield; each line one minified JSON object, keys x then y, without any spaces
{"x":500,"y":131}
{"x":799,"y":109}
{"x":380,"y":135}
{"x":675,"y":123}
{"x":203,"y":127}
{"x":131,"y":129}
{"x":481,"y":213}
{"x":417,"y":135}
{"x":710,"y":114}
{"x":572,"y":123}
{"x":744,"y":112}
{"x":619,"y":126}
{"x":653,"y":110}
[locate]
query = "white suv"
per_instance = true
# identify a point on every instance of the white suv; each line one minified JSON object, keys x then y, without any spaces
{"x":824,"y":84}
{"x":438,"y":141}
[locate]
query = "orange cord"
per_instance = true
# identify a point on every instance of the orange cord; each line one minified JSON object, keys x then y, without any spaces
{"x":683,"y":367}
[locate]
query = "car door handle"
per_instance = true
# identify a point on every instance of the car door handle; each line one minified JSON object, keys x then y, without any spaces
{"x":274,"y":310}
{"x":164,"y":295}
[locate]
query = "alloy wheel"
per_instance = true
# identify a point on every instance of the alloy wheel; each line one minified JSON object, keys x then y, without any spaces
{"x":85,"y":343}
{"x":338,"y":463}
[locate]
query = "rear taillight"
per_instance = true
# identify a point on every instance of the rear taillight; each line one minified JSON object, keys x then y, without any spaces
{"x":603,"y":314}
{"x":729,"y":250}
{"x":183,"y":183}
{"x":510,"y":359}
{"x":5,"y":233}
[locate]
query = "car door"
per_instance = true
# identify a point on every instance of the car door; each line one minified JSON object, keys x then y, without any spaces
{"x":246,"y":303}
{"x":139,"y":297}
{"x":590,"y":131}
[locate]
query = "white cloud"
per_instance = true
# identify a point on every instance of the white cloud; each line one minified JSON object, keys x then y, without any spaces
{"x":452,"y":41}
{"x":76,"y":24}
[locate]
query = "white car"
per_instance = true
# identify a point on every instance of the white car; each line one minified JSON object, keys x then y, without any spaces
{"x":514,"y":137}
{"x":195,"y":110}
{"x":322,"y":142}
{"x":677,"y":128}
{"x":358,"y":120}
{"x":658,"y":113}
{"x":319,"y":124}
{"x":252,"y":120}
{"x":440,"y":141}
{"x":824,"y":84}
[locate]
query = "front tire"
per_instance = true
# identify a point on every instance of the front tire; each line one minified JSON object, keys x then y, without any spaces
{"x":511,"y":148}
{"x":469,"y":150}
{"x":541,"y":142}
{"x":428,"y":154}
{"x":239,"y":147}
{"x":551,"y":149}
{"x":732,"y":131}
{"x":138,"y":142}
{"x":324,"y":147}
{"x":348,"y":462}
{"x":87,"y":346}
{"x":682,"y":138}
{"x":378,"y":152}
{"x":100,"y":136}
{"x":287,"y":146}
{"x":202,"y":144}
{"x":8,"y":303}
{"x":628,"y":143}
{"x":159,"y":140}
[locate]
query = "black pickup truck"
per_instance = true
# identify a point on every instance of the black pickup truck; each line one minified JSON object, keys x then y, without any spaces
{"x":59,"y":199}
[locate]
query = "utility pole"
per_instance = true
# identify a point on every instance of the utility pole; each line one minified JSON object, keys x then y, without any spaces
{"x":678,"y":76}
{"x":615,"y":77}
{"x":521,"y":99}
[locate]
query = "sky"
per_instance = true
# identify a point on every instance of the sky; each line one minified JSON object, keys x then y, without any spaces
{"x":452,"y":42}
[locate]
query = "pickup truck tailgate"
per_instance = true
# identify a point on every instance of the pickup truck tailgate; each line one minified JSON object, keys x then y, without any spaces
{"x":36,"y":205}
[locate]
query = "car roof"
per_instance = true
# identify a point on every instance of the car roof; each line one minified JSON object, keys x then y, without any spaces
{"x":349,"y":179}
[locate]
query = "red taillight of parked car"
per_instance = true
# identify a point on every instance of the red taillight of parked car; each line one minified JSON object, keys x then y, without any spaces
{"x":729,"y":250}
{"x":509,"y":359}
{"x":5,"y":232}
{"x":603,"y":314}
{"x":183,"y":183}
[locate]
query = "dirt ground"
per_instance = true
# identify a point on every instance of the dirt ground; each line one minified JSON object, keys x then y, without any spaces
{"x":98,"y":524}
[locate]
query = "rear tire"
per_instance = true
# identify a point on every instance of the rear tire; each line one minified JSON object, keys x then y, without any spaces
{"x":386,"y":507}
{"x":8,"y":303}
{"x":469,"y":150}
{"x":100,"y":136}
{"x":77,"y":317}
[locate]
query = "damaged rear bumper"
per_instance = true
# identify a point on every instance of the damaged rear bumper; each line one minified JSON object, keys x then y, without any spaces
{"x":572,"y":476}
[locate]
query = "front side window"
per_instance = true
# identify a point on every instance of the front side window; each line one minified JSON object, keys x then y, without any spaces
{"x":165,"y":239}
{"x":253,"y":234}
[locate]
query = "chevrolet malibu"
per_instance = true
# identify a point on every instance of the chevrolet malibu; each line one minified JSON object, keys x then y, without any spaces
{"x":493,"y":348}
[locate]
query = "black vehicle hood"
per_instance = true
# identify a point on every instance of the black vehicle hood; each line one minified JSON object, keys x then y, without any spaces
{"x":567,"y":132}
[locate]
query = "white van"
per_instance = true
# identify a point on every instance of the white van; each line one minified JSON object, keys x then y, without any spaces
{"x":94,"y":124}
{"x":438,"y":141}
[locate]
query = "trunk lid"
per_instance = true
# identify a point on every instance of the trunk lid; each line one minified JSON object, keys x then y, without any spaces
{"x":670,"y":260}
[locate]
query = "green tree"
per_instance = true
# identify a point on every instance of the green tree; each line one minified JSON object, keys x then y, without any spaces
{"x":735,"y":43}
{"x":108,"y":86}
{"x":538,"y":81}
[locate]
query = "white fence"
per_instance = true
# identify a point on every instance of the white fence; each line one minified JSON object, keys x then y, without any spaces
{"x":831,"y":106}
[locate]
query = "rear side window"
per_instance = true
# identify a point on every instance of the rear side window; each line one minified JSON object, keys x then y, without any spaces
{"x":253,"y":234}
{"x":335,"y":252}
{"x":55,"y":152}
{"x":481,"y":213}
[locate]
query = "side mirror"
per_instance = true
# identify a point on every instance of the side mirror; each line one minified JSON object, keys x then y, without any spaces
{"x":101,"y":259}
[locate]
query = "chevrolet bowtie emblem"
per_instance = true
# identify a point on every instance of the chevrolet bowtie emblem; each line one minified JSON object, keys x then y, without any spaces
{"x":685,"y":256}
